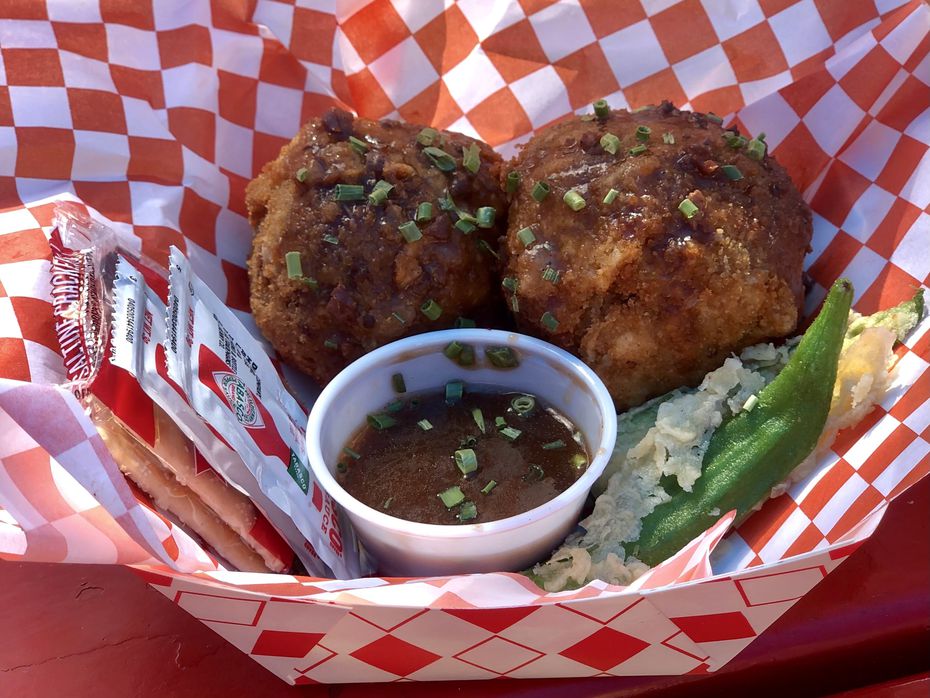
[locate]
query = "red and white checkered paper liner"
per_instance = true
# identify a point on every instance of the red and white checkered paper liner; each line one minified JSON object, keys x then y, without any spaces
{"x":156,"y":115}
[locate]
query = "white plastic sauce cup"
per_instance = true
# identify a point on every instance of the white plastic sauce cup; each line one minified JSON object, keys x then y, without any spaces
{"x":407,"y":548}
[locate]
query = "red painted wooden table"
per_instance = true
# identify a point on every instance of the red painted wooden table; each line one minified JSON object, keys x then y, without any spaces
{"x":84,"y":630}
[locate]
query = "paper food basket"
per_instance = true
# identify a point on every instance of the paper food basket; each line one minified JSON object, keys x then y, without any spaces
{"x":155,"y":115}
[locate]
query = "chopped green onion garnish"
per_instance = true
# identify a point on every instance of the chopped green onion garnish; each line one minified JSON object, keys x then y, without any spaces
{"x":468,"y":442}
{"x":713,"y":117}
{"x":452,"y":350}
{"x":502,"y":357}
{"x":483,"y":245}
{"x":485,"y":216}
{"x":352,"y":453}
{"x":311,"y":282}
{"x":331,"y":343}
{"x":358,"y":145}
{"x":535,"y":472}
{"x":468,"y":511}
{"x":294,"y":268}
{"x":398,"y":383}
{"x":638,"y":149}
{"x":510,"y":282}
{"x":687,"y":208}
{"x":462,"y":322}
{"x":601,"y":109}
{"x":467,"y":357}
{"x":387,"y":503}
{"x":399,"y":318}
{"x":452,"y":497}
{"x":471,"y":158}
{"x":668,"y":138}
{"x":610,"y":143}
{"x":513,"y":181}
{"x":549,"y":321}
{"x":551,"y":275}
{"x":331,"y":239}
{"x":424,"y":212}
{"x":756,"y":149}
{"x":381,"y":421}
{"x":574,"y":200}
{"x":394,"y":406}
{"x":440,"y":158}
{"x":465,"y":226}
{"x":425,"y":424}
{"x":751,"y":402}
{"x":552,"y":445}
{"x":731,"y":171}
{"x":431,"y":309}
{"x":446,"y":203}
{"x":378,"y":196}
{"x":540,"y":191}
{"x":761,"y":136}
{"x":350,"y":192}
{"x":454,"y":392}
{"x":426,"y":136}
{"x":510,"y":433}
{"x":523,"y":404}
{"x":478,"y":416}
{"x":466,"y":460}
{"x":733,"y":140}
{"x":488,"y":487}
{"x":500,"y":423}
{"x":410,"y":231}
{"x":341,"y":467}
{"x":302,"y":174}
{"x":525,"y":235}
{"x":642,"y":133}
{"x":579,"y":461}
{"x":611,"y":196}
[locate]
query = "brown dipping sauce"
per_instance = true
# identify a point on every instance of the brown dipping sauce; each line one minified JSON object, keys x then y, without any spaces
{"x":402,"y":468}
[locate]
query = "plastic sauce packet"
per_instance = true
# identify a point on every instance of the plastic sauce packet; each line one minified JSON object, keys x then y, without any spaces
{"x":198,"y":456}
{"x":233,"y":385}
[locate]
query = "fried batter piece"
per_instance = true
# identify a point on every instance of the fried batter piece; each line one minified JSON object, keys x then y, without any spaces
{"x":652,"y":292}
{"x":365,"y":277}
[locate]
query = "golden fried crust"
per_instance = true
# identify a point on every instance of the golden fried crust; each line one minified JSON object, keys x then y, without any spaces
{"x":372,"y":283}
{"x":649,"y":299}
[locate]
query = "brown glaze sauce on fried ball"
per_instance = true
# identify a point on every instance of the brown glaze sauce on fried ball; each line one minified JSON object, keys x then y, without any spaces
{"x":649,"y":298}
{"x":365,"y":283}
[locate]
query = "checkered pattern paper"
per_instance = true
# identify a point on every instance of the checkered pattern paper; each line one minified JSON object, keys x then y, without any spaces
{"x":155,"y":115}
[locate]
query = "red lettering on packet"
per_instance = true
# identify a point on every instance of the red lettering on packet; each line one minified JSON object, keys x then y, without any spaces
{"x":317,"y":497}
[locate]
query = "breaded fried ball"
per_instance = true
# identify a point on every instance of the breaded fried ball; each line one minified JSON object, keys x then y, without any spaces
{"x":367,"y":268}
{"x":665,"y":244}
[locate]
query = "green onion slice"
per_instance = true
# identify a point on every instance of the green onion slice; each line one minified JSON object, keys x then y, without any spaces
{"x":463,"y":322}
{"x":466,"y":226}
{"x":500,"y":423}
{"x":424,"y":212}
{"x":551,"y":275}
{"x":478,"y":416}
{"x":611,"y":196}
{"x":638,"y":149}
{"x":426,"y":136}
{"x":687,"y":208}
{"x":467,"y":357}
{"x":540,"y":191}
{"x":381,"y":421}
{"x":601,"y":109}
{"x":471,"y":158}
{"x":425,"y":424}
{"x":525,"y":235}
{"x":452,"y":350}
{"x":294,"y":268}
{"x":713,"y":117}
{"x":513,"y":181}
{"x":410,"y":231}
{"x":331,"y":239}
{"x":398,"y":383}
{"x":301,"y":174}
{"x":483,"y":245}
{"x":440,"y":158}
{"x":485,"y":216}
{"x":387,"y":503}
{"x":431,"y":309}
{"x":579,"y":461}
{"x":668,"y":138}
{"x":731,"y":171}
{"x":331,"y":343}
{"x":311,"y":282}
{"x":399,"y":318}
{"x":488,"y":487}
{"x":454,"y":392}
{"x":350,"y":192}
{"x":452,"y":497}
{"x":446,"y":203}
{"x":394,"y":406}
{"x":523,"y":404}
{"x":502,"y":357}
{"x":643,"y":133}
{"x":510,"y":282}
{"x":553,"y":445}
{"x":510,"y":433}
{"x":549,"y":321}
{"x":355,"y":455}
{"x":466,"y":460}
{"x":341,"y":467}
{"x":378,"y":196}
{"x":610,"y":143}
{"x":468,"y":511}
{"x":574,"y":200}
{"x":756,"y":149}
{"x":358,"y":145}
{"x":535,"y":472}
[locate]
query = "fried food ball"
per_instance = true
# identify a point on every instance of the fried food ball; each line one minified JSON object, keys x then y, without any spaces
{"x":369,"y":271}
{"x":689,"y":246}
